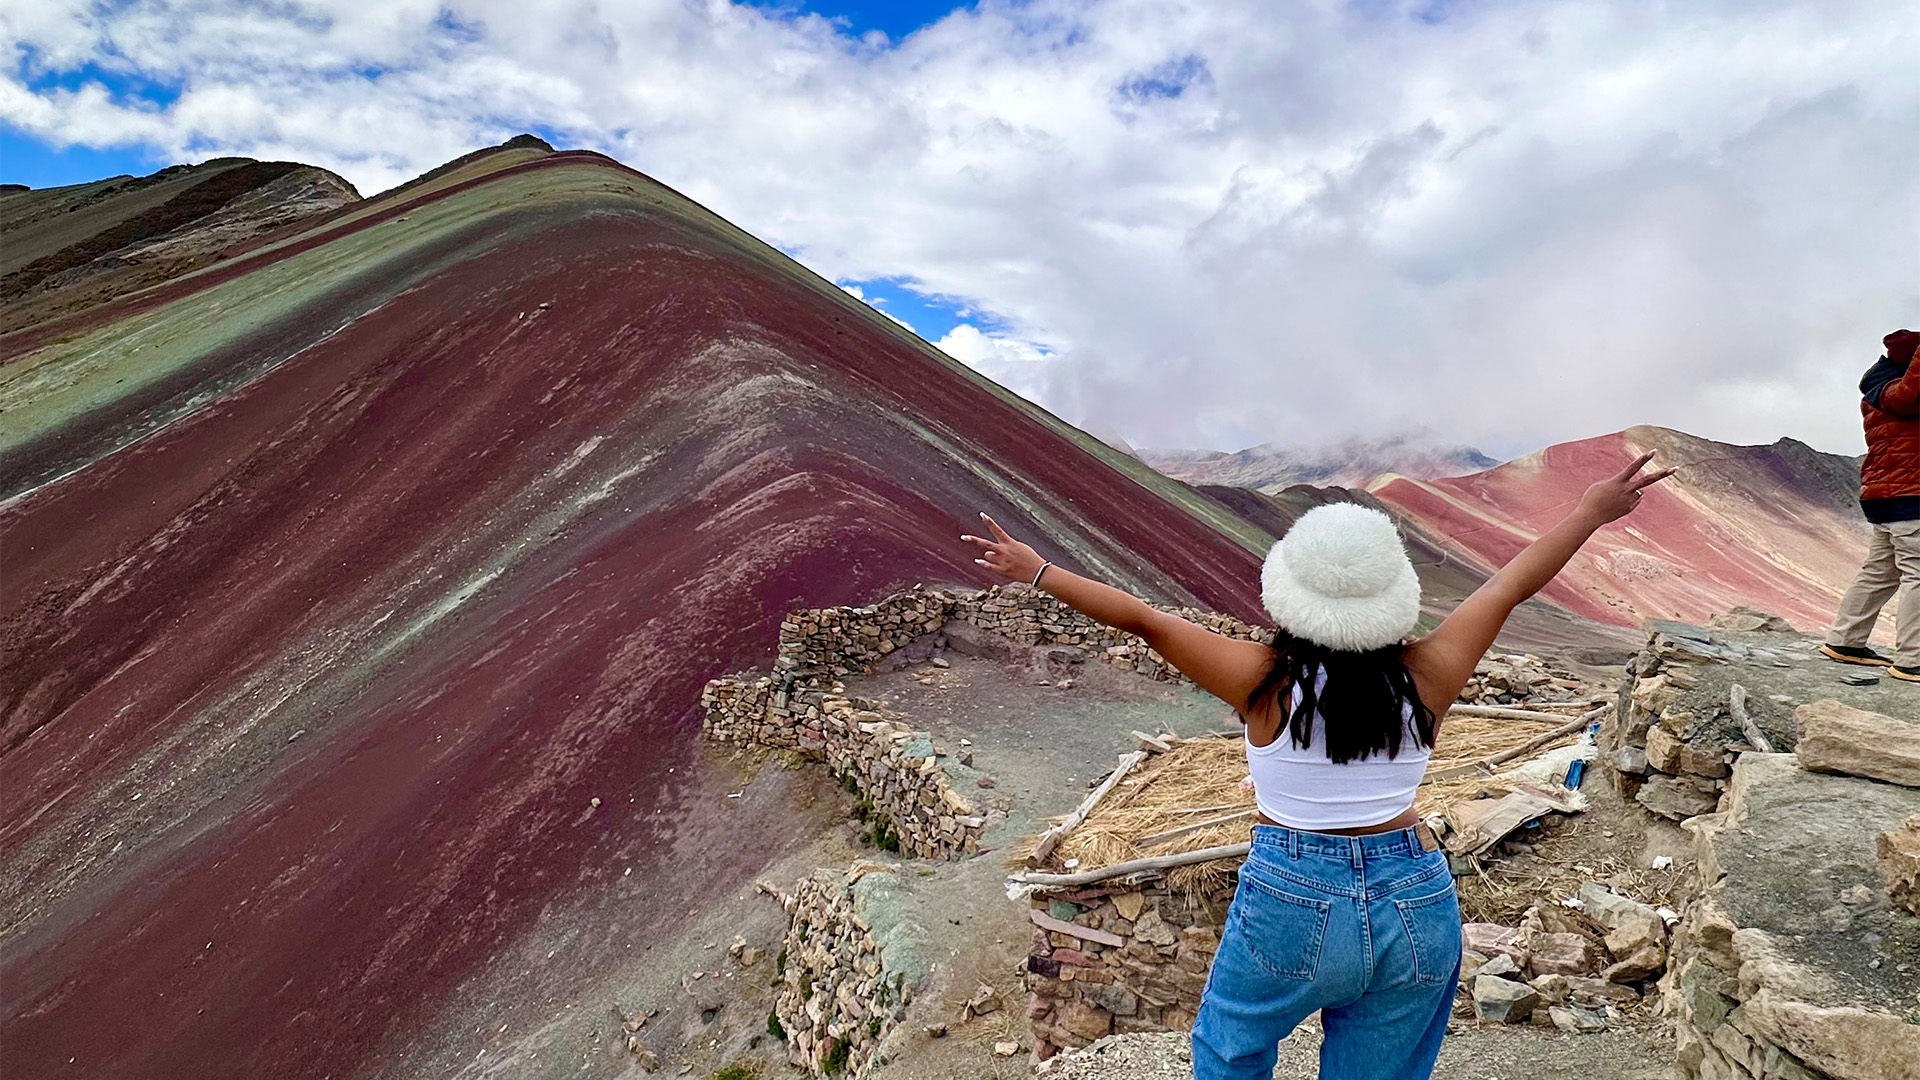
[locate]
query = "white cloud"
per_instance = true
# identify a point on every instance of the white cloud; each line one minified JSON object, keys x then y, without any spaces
{"x":1220,"y":223}
{"x":876,"y":303}
{"x":1009,"y":361}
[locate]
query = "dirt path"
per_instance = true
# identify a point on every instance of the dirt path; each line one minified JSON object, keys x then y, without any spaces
{"x":1043,"y":744}
{"x":1471,"y":1054}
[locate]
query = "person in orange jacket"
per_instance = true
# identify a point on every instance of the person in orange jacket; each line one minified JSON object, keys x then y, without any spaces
{"x":1890,"y":498}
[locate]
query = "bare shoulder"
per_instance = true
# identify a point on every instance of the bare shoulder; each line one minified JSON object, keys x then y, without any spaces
{"x":1229,"y":668}
{"x":1436,"y":672}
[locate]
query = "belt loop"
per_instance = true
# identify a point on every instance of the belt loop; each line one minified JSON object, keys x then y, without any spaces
{"x":1293,"y":844}
{"x":1359,"y":858}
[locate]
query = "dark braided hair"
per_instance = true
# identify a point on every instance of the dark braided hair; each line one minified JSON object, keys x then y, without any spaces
{"x":1361,"y":705}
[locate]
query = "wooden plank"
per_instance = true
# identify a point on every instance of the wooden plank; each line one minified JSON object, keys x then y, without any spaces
{"x":1485,"y":766}
{"x":1051,"y":839}
{"x":1544,"y":738}
{"x":1494,"y":712}
{"x":1193,"y":828}
{"x":1133,"y":866}
{"x":1152,"y":744}
{"x":1085,"y":933}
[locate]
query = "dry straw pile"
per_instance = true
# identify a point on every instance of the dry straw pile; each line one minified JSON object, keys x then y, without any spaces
{"x":1153,"y":811}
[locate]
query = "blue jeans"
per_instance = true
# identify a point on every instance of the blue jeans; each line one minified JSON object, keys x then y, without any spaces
{"x":1365,"y":929}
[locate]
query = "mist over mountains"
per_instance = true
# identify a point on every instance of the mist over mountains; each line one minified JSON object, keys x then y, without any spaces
{"x":1349,"y":463}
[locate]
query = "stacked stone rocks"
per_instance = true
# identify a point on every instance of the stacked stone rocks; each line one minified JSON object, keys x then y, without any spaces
{"x":1030,"y":617}
{"x":828,"y":642}
{"x":1665,"y":746}
{"x":907,"y":781}
{"x":1792,"y":964}
{"x":1571,"y":966}
{"x":1116,"y":959}
{"x":837,"y":999}
{"x":1794,"y":959}
{"x":1520,"y":679}
{"x":825,"y":642}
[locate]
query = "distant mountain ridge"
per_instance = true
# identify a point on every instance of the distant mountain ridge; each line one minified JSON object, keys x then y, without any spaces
{"x":67,"y":249}
{"x":1355,"y":463}
{"x":1776,"y":527}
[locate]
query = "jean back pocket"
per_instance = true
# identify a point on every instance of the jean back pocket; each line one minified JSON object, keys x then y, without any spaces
{"x":1432,"y":923}
{"x":1283,"y":932}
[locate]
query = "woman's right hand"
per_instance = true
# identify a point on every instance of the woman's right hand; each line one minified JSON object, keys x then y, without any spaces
{"x":1616,"y":496}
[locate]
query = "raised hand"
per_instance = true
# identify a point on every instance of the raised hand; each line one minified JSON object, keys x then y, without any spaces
{"x":1003,"y":554}
{"x":1617,"y":495}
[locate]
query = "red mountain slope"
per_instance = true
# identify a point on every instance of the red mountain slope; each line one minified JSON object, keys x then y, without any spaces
{"x":1775,"y":527}
{"x":344,"y":575}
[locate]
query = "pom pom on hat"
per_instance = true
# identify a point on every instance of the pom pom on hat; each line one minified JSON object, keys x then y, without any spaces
{"x":1341,"y":578}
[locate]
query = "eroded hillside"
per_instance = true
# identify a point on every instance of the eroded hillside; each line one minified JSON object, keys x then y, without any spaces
{"x":360,"y":589}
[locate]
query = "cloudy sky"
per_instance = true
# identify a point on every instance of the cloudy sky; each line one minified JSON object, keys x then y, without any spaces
{"x":1178,"y":223}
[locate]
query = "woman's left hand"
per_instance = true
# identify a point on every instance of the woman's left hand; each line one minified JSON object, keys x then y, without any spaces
{"x":1004,"y":555}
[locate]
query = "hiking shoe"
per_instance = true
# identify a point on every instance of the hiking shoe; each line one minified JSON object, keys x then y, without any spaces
{"x":1901,"y":671}
{"x":1854,"y":654}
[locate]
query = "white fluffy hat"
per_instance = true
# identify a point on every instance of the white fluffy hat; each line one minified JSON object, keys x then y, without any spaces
{"x":1341,"y":578}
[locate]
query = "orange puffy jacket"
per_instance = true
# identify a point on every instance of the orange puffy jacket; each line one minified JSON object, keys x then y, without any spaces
{"x":1890,"y":477}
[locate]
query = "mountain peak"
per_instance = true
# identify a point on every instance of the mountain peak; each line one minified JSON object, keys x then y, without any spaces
{"x":1353,"y":463}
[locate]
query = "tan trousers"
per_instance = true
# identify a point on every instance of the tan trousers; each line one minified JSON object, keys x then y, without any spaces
{"x":1893,"y":566}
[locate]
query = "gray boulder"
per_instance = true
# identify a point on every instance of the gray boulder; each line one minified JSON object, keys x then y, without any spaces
{"x":1503,"y":1001}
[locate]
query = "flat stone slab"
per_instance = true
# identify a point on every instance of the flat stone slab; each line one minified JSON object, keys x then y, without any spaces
{"x":1774,"y":665}
{"x":1797,"y":852}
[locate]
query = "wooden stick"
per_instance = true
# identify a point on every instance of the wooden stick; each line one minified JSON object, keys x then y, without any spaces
{"x":1133,"y":792}
{"x":1206,"y":809}
{"x":1497,"y":713}
{"x":1541,"y":740}
{"x":1195,"y":827}
{"x":1134,"y":866}
{"x":1485,"y":765}
{"x":1737,"y":704}
{"x":1053,"y":836}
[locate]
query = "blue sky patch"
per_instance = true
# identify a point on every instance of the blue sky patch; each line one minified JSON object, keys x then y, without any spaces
{"x":124,"y":87}
{"x":26,"y":160}
{"x":930,"y":316}
{"x":1168,"y":80}
{"x":894,"y":18}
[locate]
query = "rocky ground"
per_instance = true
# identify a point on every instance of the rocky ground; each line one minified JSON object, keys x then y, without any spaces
{"x":1043,"y":730}
{"x":1644,"y":1053}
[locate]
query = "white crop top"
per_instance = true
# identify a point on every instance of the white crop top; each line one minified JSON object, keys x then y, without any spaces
{"x":1302,"y":789}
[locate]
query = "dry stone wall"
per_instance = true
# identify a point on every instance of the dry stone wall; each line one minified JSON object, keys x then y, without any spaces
{"x":915,"y":788}
{"x":1520,"y":680}
{"x":1121,"y":959}
{"x":842,"y":988}
{"x":1799,"y":957}
{"x":1795,"y":963}
{"x":909,"y":785}
{"x":827,"y":642}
